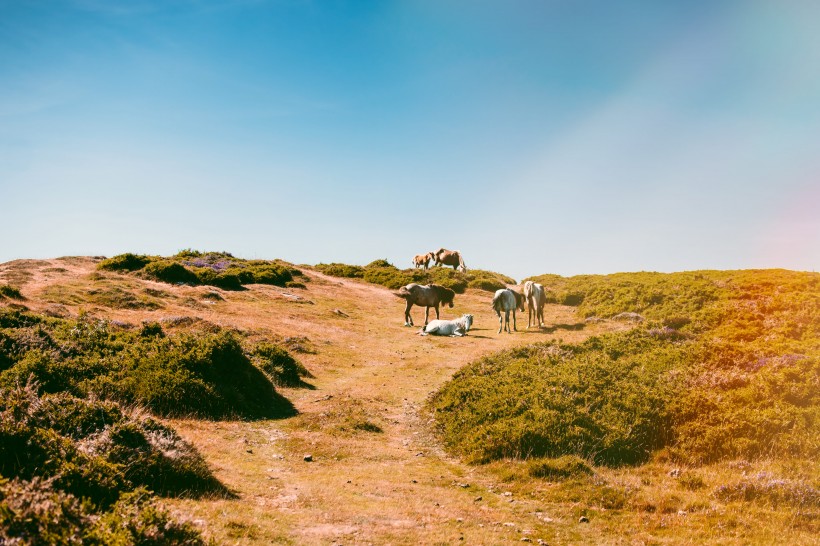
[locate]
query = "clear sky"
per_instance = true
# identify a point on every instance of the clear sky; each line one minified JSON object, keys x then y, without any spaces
{"x":534,"y":136}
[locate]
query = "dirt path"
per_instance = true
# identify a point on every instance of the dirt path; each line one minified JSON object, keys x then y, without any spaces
{"x":376,"y":474}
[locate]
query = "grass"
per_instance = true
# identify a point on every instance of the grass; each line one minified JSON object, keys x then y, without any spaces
{"x":7,"y":291}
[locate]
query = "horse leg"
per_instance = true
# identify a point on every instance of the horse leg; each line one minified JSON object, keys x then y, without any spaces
{"x":436,"y":307}
{"x":500,"y":323}
{"x":408,"y":320}
{"x":427,"y":315}
{"x":514,"y":325}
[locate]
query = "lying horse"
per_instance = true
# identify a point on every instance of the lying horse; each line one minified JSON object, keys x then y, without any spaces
{"x":422,"y":260}
{"x":453,"y":328}
{"x":428,"y":296}
{"x":536,"y":297}
{"x":443,"y":256}
{"x":507,"y":300}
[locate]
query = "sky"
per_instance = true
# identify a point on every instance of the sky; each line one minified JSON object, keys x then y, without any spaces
{"x":542,"y":136}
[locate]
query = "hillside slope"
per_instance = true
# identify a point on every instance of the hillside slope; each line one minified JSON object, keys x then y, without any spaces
{"x":376,"y":475}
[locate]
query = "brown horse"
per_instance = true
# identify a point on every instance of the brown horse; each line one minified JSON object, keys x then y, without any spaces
{"x":428,"y":296}
{"x":422,"y":260}
{"x":443,"y":256}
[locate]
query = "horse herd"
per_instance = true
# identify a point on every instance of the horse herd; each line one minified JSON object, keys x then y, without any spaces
{"x":433,"y":295}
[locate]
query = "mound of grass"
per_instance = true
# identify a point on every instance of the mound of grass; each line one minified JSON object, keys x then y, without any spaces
{"x":568,"y":466}
{"x":125,"y":262}
{"x":726,"y":366}
{"x":35,"y":512}
{"x":193,"y":267}
{"x":279,"y":365}
{"x":7,"y":291}
{"x":386,"y":274}
{"x":205,"y":374}
{"x":93,"y":450}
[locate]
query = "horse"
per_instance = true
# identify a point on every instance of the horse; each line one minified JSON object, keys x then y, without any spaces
{"x":422,"y":260}
{"x":453,"y":328}
{"x":428,"y":296}
{"x":507,"y":300}
{"x":536,"y":297}
{"x":443,"y":256}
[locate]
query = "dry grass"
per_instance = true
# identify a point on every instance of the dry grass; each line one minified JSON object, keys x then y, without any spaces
{"x":397,"y":486}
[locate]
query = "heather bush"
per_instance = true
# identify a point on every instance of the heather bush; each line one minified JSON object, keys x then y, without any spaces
{"x":170,"y":272}
{"x":341,"y":270}
{"x":726,"y":365}
{"x":125,"y":262}
{"x":7,"y":291}
{"x":203,"y":374}
{"x":279,"y":365}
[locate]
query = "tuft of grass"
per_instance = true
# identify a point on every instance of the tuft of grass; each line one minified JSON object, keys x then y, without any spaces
{"x":8,"y":291}
{"x":568,"y":466}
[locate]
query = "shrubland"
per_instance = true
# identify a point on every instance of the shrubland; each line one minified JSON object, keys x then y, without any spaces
{"x":78,"y":397}
{"x":721,"y":366}
{"x":386,"y":274}
{"x":193,"y":267}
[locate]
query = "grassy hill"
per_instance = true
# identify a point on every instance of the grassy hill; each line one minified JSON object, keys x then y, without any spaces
{"x":667,"y":408}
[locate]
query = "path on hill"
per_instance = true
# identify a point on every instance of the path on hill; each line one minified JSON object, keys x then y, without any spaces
{"x":377,"y":475}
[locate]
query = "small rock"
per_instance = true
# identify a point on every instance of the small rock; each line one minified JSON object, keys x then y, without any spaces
{"x":308,"y":458}
{"x":526,"y":539}
{"x":507,"y":494}
{"x":477,"y":499}
{"x":464,"y":485}
{"x":248,"y":451}
{"x":583,"y":519}
{"x":675,"y":472}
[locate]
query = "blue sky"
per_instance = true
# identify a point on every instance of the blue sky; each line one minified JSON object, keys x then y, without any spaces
{"x":534,"y":136}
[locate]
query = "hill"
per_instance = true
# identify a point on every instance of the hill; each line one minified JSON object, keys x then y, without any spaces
{"x":334,"y":349}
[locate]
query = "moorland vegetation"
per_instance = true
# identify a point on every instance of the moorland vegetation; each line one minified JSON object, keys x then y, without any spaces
{"x":194,"y":267}
{"x":721,"y":365}
{"x":386,"y":274}
{"x":78,"y":397}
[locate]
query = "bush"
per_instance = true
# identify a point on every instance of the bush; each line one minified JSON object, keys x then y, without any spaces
{"x":279,"y":365}
{"x":170,"y":272}
{"x":604,"y":401}
{"x":341,"y":270}
{"x":204,"y":374}
{"x":7,"y":291}
{"x":125,"y":262}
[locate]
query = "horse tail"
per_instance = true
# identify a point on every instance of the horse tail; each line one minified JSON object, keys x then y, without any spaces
{"x":403,"y":293}
{"x":497,"y":300}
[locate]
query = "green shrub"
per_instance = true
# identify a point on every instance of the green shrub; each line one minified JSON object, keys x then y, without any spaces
{"x":603,"y":400}
{"x":341,"y":270}
{"x":204,"y":374}
{"x":7,"y":291}
{"x":125,"y":262}
{"x":279,"y":365}
{"x":725,"y":366}
{"x":170,"y":272}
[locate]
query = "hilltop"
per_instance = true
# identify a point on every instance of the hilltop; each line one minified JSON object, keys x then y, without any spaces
{"x":360,"y":387}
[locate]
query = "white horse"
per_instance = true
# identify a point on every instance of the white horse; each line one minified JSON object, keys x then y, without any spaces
{"x":453,"y":328}
{"x":536,"y":297}
{"x":507,"y":300}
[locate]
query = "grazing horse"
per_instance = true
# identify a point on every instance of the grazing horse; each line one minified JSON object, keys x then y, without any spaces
{"x":443,"y":256}
{"x":428,"y":296}
{"x":536,"y":297}
{"x":453,"y":328}
{"x":507,"y":300}
{"x":422,"y":260}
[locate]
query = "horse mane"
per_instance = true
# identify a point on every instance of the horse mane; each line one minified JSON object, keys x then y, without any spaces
{"x":445,"y":294}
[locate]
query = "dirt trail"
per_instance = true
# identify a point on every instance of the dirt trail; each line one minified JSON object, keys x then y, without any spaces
{"x":376,"y":474}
